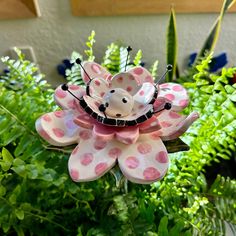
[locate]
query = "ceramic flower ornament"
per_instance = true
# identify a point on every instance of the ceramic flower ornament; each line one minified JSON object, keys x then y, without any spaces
{"x":117,"y":119}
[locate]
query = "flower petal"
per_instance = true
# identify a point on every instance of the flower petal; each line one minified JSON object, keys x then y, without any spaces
{"x":144,"y":96}
{"x":66,"y":101}
{"x":128,"y":135}
{"x":94,"y":70}
{"x":85,"y":121}
{"x":141,"y":75}
{"x":102,"y":132}
{"x":92,"y":158}
{"x":97,"y":88}
{"x":125,"y":81}
{"x":144,"y":162}
{"x":180,"y":128}
{"x":58,"y":128}
{"x":176,"y":93}
{"x":150,"y":125}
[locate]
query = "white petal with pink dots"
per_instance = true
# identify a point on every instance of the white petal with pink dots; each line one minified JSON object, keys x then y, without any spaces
{"x":66,"y":101}
{"x":145,"y":94}
{"x":58,"y":128}
{"x":94,"y":70}
{"x":176,"y":93}
{"x":92,"y":158}
{"x":141,"y":74}
{"x":97,"y":88}
{"x":178,"y":127}
{"x":144,"y":162}
{"x":125,"y":81}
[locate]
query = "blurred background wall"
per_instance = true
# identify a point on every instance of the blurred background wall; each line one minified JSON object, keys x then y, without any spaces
{"x":57,"y":33}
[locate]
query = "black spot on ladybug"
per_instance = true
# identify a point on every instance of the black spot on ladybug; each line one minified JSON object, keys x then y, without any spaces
{"x":124,"y":100}
{"x":107,"y":104}
{"x":118,"y":115}
{"x":112,"y":91}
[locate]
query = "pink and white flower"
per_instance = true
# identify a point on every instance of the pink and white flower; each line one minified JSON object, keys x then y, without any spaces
{"x":138,"y":149}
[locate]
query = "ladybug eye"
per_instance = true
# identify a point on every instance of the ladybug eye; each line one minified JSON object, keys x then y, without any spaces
{"x":112,"y":91}
{"x":124,"y":100}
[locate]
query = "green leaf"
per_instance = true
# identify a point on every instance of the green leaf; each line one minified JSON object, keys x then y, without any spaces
{"x":7,"y":159}
{"x":162,"y":228}
{"x":172,"y":45}
{"x":138,"y":58}
{"x":2,"y":190}
{"x":213,"y":36}
{"x":19,"y":214}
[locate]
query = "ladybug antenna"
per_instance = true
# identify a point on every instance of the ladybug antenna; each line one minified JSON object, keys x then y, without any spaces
{"x":128,"y":50}
{"x":102,"y":108}
{"x":65,"y":87}
{"x":168,"y":69}
{"x":78,"y":61}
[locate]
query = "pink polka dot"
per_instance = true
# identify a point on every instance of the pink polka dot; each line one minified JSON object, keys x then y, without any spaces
{"x":129,"y":89}
{"x":74,"y":87}
{"x":74,"y":174}
{"x":44,"y":134}
{"x":141,"y":106}
{"x":102,"y":94}
{"x":162,"y":157}
{"x":131,"y":77}
{"x":165,"y":124}
{"x":141,"y":93}
{"x":97,"y":104}
{"x":47,"y":118}
{"x":58,"y":132}
{"x":59,"y":114}
{"x":149,"y":79}
{"x":144,"y":148}
{"x":156,"y":135}
{"x":72,"y":104}
{"x":132,"y":162}
{"x":166,"y":85}
{"x":99,"y":145}
{"x":85,"y":77}
{"x":96,"y":68}
{"x":177,"y":88}
{"x":85,"y":134}
{"x":120,"y":80}
{"x":86,"y":159}
{"x":114,"y":152}
{"x":138,"y":71}
{"x":174,"y":115}
{"x":151,"y":173}
{"x":74,"y":152}
{"x":100,"y":168}
{"x":60,"y":93}
{"x":183,"y":103}
{"x":109,"y":77}
{"x":170,"y":96}
{"x":97,"y":83}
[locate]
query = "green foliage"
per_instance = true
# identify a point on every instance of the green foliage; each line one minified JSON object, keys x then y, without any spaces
{"x":73,"y":75}
{"x":89,"y":44}
{"x":171,"y":45}
{"x":213,"y":36}
{"x":115,"y":58}
{"x":38,"y":198}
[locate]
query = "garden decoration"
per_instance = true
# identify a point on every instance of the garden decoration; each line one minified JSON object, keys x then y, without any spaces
{"x":117,"y":119}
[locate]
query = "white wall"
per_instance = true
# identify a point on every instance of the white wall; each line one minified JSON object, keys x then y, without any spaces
{"x":57,"y":33}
